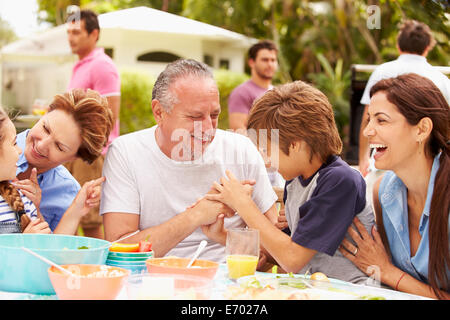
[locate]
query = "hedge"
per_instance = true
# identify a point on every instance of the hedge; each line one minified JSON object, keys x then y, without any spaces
{"x":136,"y":93}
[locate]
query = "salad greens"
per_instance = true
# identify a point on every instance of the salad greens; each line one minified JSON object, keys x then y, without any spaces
{"x":290,"y":280}
{"x":370,"y":297}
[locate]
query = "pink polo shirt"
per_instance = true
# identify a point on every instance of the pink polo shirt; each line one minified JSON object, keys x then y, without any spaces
{"x":97,"y":71}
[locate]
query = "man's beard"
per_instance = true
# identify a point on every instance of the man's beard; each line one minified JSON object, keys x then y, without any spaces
{"x":263,"y":76}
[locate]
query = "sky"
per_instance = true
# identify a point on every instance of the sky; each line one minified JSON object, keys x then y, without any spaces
{"x":21,"y":16}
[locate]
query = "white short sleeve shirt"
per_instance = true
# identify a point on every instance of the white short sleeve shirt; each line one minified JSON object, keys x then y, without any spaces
{"x":141,"y":179}
{"x":407,"y":63}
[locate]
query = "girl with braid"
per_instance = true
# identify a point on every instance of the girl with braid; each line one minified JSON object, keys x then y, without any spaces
{"x":17,"y":213}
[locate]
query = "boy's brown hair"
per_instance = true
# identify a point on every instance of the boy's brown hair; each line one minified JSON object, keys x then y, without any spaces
{"x":299,"y":112}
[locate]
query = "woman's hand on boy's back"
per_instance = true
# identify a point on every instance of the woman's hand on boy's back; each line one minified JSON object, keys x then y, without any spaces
{"x":232,"y":192}
{"x":369,"y":254}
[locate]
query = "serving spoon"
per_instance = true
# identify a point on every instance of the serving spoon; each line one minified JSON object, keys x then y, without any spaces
{"x":126,"y":237}
{"x":58,"y":266}
{"x":49,"y":262}
{"x":200,"y":248}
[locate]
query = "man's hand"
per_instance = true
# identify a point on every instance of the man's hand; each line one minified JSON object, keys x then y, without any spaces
{"x":216,"y":230}
{"x":231,"y":191}
{"x":208,"y":211}
{"x":364,"y":166}
{"x":228,"y":211}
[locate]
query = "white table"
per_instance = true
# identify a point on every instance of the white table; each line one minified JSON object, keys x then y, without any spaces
{"x":221,"y":282}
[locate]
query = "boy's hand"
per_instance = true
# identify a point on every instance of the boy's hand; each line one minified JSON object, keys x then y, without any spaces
{"x":231,"y":191}
{"x":228,"y":211}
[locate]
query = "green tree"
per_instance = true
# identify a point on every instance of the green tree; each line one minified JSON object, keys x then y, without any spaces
{"x":7,"y":34}
{"x":314,"y":37}
{"x":57,"y":9}
{"x":302,"y":28}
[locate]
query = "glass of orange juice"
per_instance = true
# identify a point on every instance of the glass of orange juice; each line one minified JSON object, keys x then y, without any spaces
{"x":39,"y":107}
{"x":242,"y":252}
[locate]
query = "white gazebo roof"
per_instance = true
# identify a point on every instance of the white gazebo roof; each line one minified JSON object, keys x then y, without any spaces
{"x":148,"y":19}
{"x":53,"y":42}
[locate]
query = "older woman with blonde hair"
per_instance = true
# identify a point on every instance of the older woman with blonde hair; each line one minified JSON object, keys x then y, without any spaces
{"x":77,"y":126}
{"x":409,"y":129}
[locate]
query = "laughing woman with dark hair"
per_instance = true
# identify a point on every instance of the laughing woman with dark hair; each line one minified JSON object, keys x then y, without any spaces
{"x":409,"y":128}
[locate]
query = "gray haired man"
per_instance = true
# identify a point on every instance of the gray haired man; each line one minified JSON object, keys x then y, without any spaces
{"x":156,"y":176}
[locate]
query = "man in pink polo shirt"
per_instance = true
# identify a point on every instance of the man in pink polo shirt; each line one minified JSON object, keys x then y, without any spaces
{"x":94,"y":70}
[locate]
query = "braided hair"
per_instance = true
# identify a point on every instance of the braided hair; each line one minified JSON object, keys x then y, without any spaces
{"x":7,"y":190}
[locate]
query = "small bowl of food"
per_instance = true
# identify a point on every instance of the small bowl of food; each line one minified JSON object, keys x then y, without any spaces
{"x":166,"y":286}
{"x":89,"y":282}
{"x":175,"y":265}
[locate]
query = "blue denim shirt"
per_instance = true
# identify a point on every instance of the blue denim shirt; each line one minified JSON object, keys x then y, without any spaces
{"x":393,"y":199}
{"x":58,"y":187}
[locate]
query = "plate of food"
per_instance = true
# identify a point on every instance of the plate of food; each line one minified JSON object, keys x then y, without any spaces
{"x":304,"y":287}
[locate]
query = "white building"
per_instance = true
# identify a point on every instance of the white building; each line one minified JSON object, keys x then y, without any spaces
{"x":138,"y":38}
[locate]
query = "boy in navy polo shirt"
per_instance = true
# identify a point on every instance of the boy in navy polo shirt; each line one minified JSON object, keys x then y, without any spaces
{"x":322,"y":195}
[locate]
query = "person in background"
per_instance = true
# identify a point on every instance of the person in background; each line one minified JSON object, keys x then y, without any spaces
{"x":414,"y":42}
{"x":323,"y":193}
{"x":95,"y":70}
{"x":263,"y":63}
{"x":409,"y":129}
{"x":153,"y":176}
{"x":77,"y":126}
{"x":18,"y":214}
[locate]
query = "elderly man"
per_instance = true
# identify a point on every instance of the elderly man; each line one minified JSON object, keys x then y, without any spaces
{"x":154,"y":176}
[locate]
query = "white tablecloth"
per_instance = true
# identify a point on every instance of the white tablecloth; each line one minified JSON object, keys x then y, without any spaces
{"x":221,"y":282}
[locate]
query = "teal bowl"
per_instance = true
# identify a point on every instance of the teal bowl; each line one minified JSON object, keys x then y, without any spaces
{"x":130,"y":254}
{"x":124,"y":263}
{"x":134,"y":268}
{"x":22,"y":272}
{"x":128,"y":259}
